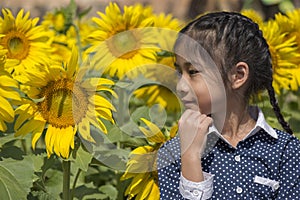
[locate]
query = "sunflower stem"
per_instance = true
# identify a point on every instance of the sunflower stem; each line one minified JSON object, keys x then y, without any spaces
{"x":74,"y":183}
{"x":78,"y":42}
{"x":66,"y":165}
{"x":121,"y":111}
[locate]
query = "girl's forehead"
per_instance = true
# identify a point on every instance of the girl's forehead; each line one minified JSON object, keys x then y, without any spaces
{"x":181,"y":61}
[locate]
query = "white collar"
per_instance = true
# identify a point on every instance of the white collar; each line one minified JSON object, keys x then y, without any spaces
{"x":261,"y":123}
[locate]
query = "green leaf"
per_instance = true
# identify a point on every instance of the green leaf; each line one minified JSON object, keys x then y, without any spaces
{"x":114,"y":158}
{"x":12,"y":152}
{"x":158,"y":115}
{"x":286,"y":5}
{"x":84,"y":12}
{"x":9,"y":186}
{"x":117,"y":135}
{"x":7,"y":138}
{"x":165,"y":53}
{"x":139,"y":113}
{"x":14,"y":183}
{"x":54,"y":182}
{"x":40,"y":195}
{"x":88,"y":191}
{"x":110,"y":191}
{"x":82,"y":159}
{"x":271,"y":2}
{"x":95,"y":196}
{"x":38,"y":161}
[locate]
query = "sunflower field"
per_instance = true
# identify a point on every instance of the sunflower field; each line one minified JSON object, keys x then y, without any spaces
{"x":87,"y":102}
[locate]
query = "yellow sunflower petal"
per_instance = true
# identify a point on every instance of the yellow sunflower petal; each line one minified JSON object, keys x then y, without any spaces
{"x":66,"y":142}
{"x":59,"y":135}
{"x":22,"y":116}
{"x":148,"y":187}
{"x":28,"y":127}
{"x":49,"y":139}
{"x":154,"y":194}
{"x":37,"y":132}
{"x":3,"y":126}
{"x":136,"y":184}
{"x":84,"y":130}
{"x":155,"y":134}
{"x":123,"y":39}
{"x":142,"y":150}
{"x":72,"y":64}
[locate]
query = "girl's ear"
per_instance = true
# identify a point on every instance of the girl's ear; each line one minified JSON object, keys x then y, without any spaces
{"x":239,"y":75}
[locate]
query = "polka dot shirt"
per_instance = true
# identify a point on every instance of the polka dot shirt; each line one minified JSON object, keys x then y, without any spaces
{"x":265,"y":165}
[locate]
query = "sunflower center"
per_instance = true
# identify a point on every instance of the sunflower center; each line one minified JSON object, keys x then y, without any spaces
{"x":17,"y":45}
{"x":65,"y":103}
{"x":124,"y":44}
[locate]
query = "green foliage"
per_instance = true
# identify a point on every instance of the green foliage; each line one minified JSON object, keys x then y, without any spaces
{"x":96,"y":168}
{"x":14,"y":183}
{"x":283,"y":5}
{"x":289,"y":102}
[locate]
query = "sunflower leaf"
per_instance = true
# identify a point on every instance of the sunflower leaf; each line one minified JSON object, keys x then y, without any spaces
{"x":88,"y":191}
{"x":53,"y":182}
{"x":111,"y":191}
{"x":84,"y":12}
{"x":41,"y":195}
{"x":82,"y":159}
{"x":14,"y":183}
{"x":6,"y":137}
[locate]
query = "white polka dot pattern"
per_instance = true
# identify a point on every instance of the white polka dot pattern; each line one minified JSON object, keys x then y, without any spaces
{"x":234,"y":169}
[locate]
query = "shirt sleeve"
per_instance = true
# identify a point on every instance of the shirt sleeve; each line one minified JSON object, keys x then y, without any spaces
{"x":197,"y":190}
{"x":289,"y":171}
{"x":172,"y":185}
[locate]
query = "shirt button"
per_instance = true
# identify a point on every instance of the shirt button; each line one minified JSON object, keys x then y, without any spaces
{"x":196,"y":193}
{"x":276,"y":186}
{"x":239,"y":190}
{"x":237,"y":158}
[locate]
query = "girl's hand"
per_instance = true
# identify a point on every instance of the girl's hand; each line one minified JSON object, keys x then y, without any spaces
{"x":193,"y":129}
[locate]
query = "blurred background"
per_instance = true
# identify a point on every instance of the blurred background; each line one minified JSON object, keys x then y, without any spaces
{"x":182,"y":9}
{"x":109,"y":173}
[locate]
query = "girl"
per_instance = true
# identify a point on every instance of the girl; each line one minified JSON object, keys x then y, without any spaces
{"x":226,"y":149}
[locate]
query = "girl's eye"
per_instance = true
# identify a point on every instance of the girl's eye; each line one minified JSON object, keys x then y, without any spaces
{"x":193,"y":71}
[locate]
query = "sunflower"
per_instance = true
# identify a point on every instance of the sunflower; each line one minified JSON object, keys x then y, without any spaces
{"x":66,"y":32}
{"x":123,"y":41}
{"x":141,"y":167}
{"x":293,"y":21}
{"x":63,"y":100}
{"x":285,"y":56}
{"x":57,"y":21}
{"x":163,"y":94}
{"x":25,"y":42}
{"x":8,"y":92}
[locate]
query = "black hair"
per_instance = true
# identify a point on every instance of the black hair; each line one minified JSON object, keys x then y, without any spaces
{"x":229,"y":38}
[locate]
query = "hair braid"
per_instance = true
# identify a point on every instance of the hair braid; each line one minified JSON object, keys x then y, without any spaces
{"x":229,"y":38}
{"x":277,"y":111}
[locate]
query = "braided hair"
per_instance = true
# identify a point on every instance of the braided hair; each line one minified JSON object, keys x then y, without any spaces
{"x":229,"y":38}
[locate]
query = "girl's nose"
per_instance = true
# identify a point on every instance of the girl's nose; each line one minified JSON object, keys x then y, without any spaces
{"x":182,"y":87}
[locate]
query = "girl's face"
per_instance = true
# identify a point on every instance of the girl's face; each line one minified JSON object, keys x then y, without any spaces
{"x":197,"y":87}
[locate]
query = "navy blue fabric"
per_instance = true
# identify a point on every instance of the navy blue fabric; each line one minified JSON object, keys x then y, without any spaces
{"x":260,"y":155}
